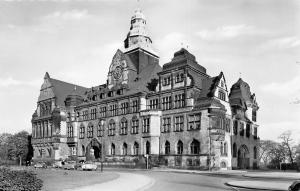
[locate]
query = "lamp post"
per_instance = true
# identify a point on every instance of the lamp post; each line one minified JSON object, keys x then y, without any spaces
{"x":102,"y":146}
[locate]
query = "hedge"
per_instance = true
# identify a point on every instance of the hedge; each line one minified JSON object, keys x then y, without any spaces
{"x":19,"y":180}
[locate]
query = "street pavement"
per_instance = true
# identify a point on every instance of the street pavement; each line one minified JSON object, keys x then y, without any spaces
{"x":125,"y":182}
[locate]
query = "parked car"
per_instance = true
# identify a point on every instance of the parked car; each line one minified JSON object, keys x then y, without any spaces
{"x":57,"y":164}
{"x":295,"y":186}
{"x":69,"y":165}
{"x":89,"y":166}
{"x":40,"y":165}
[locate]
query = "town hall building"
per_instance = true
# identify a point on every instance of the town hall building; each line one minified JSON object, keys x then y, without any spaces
{"x":175,"y":115}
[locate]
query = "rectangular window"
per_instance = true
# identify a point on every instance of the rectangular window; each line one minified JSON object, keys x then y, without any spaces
{"x":227,"y":125}
{"x":166,"y":124}
{"x":254,"y":115}
{"x":85,"y":115}
{"x":113,"y":110}
{"x":242,"y":131}
{"x":93,"y":113}
{"x":111,"y":129}
{"x":179,"y":101}
{"x":70,"y":131}
{"x":81,"y":132}
{"x":135,"y":126}
{"x":153,"y":104}
{"x":124,"y":108}
{"x":194,"y":122}
{"x":90,"y":131}
{"x":179,"y":78}
{"x":166,"y":81}
{"x":102,"y":112}
{"x":100,"y":130}
{"x":222,"y":95}
{"x":178,"y":123}
{"x":135,"y":106}
{"x":146,"y":125}
{"x":235,"y":127}
{"x":166,"y":103}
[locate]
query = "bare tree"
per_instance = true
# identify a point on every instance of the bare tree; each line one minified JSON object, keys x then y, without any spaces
{"x":287,"y":143}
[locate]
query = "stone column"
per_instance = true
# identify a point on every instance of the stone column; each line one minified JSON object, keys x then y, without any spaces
{"x":39,"y":130}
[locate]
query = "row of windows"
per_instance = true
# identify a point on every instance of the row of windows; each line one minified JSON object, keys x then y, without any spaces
{"x":103,"y":95}
{"x":194,"y":123}
{"x":166,"y":102}
{"x":240,"y":125}
{"x":194,"y":147}
{"x":113,"y":110}
{"x":112,"y":128}
{"x":124,"y":149}
{"x":178,"y":79}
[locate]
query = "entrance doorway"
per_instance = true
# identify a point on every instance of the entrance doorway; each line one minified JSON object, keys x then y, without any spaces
{"x":243,"y":157}
{"x":94,"y":150}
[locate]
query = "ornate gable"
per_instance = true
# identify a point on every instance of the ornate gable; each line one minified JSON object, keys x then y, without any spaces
{"x":46,"y":91}
{"x":119,"y":70}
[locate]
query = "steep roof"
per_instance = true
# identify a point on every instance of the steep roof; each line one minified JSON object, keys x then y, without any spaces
{"x":181,"y":58}
{"x":209,"y":85}
{"x":53,"y":88}
{"x":63,"y":89}
{"x":240,"y":95}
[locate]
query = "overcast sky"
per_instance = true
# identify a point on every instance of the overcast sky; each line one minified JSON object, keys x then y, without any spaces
{"x":75,"y":41}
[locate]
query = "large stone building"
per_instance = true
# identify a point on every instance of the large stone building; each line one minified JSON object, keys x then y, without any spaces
{"x":177,"y":114}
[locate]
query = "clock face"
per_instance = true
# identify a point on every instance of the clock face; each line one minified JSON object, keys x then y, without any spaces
{"x":117,"y":73}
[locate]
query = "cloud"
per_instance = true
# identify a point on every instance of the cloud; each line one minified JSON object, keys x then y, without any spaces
{"x":282,"y":43}
{"x":284,"y":89}
{"x":73,"y":14}
{"x":228,"y":32}
{"x":7,"y":82}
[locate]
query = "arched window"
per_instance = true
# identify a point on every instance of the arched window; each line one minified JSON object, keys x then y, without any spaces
{"x":90,"y":130}
{"x":135,"y":125}
{"x":111,"y":128}
{"x":234,"y":150}
{"x":148,"y":148}
{"x":124,"y":149}
{"x":235,"y":127}
{"x":136,"y":148}
{"x":225,"y":148}
{"x":222,"y":148}
{"x":124,"y":126}
{"x":100,"y":129}
{"x":179,"y":147}
{"x":254,"y":152}
{"x":167,"y":148}
{"x":113,"y":149}
{"x":248,"y":130}
{"x":195,"y":147}
{"x":81,"y":131}
{"x":83,"y":150}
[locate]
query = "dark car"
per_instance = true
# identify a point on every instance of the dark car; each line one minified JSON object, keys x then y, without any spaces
{"x":295,"y":186}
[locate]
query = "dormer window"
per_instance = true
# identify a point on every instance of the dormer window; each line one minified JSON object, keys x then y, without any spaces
{"x":120,"y":92}
{"x":179,"y":78}
{"x":167,"y":81}
{"x":110,"y":94}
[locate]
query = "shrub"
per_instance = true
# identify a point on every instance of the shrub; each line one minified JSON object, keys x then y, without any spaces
{"x":19,"y":180}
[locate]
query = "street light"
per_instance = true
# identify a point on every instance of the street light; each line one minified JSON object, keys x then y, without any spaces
{"x":102,"y":147}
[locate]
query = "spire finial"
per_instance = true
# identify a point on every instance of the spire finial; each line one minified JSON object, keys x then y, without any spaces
{"x":240,"y":73}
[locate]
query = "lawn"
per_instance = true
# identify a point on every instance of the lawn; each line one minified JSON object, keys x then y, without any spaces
{"x":58,"y":179}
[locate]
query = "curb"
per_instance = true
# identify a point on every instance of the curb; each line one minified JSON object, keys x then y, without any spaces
{"x":253,"y":188}
{"x":271,"y":177}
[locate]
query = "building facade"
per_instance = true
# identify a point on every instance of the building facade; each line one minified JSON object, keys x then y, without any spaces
{"x":175,"y":115}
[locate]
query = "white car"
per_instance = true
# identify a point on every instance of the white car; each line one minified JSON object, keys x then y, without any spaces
{"x":89,"y":166}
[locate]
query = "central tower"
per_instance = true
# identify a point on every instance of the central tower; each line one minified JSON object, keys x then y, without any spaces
{"x":138,"y":44}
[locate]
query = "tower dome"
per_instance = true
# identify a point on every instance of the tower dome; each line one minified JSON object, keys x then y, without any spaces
{"x":138,"y":36}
